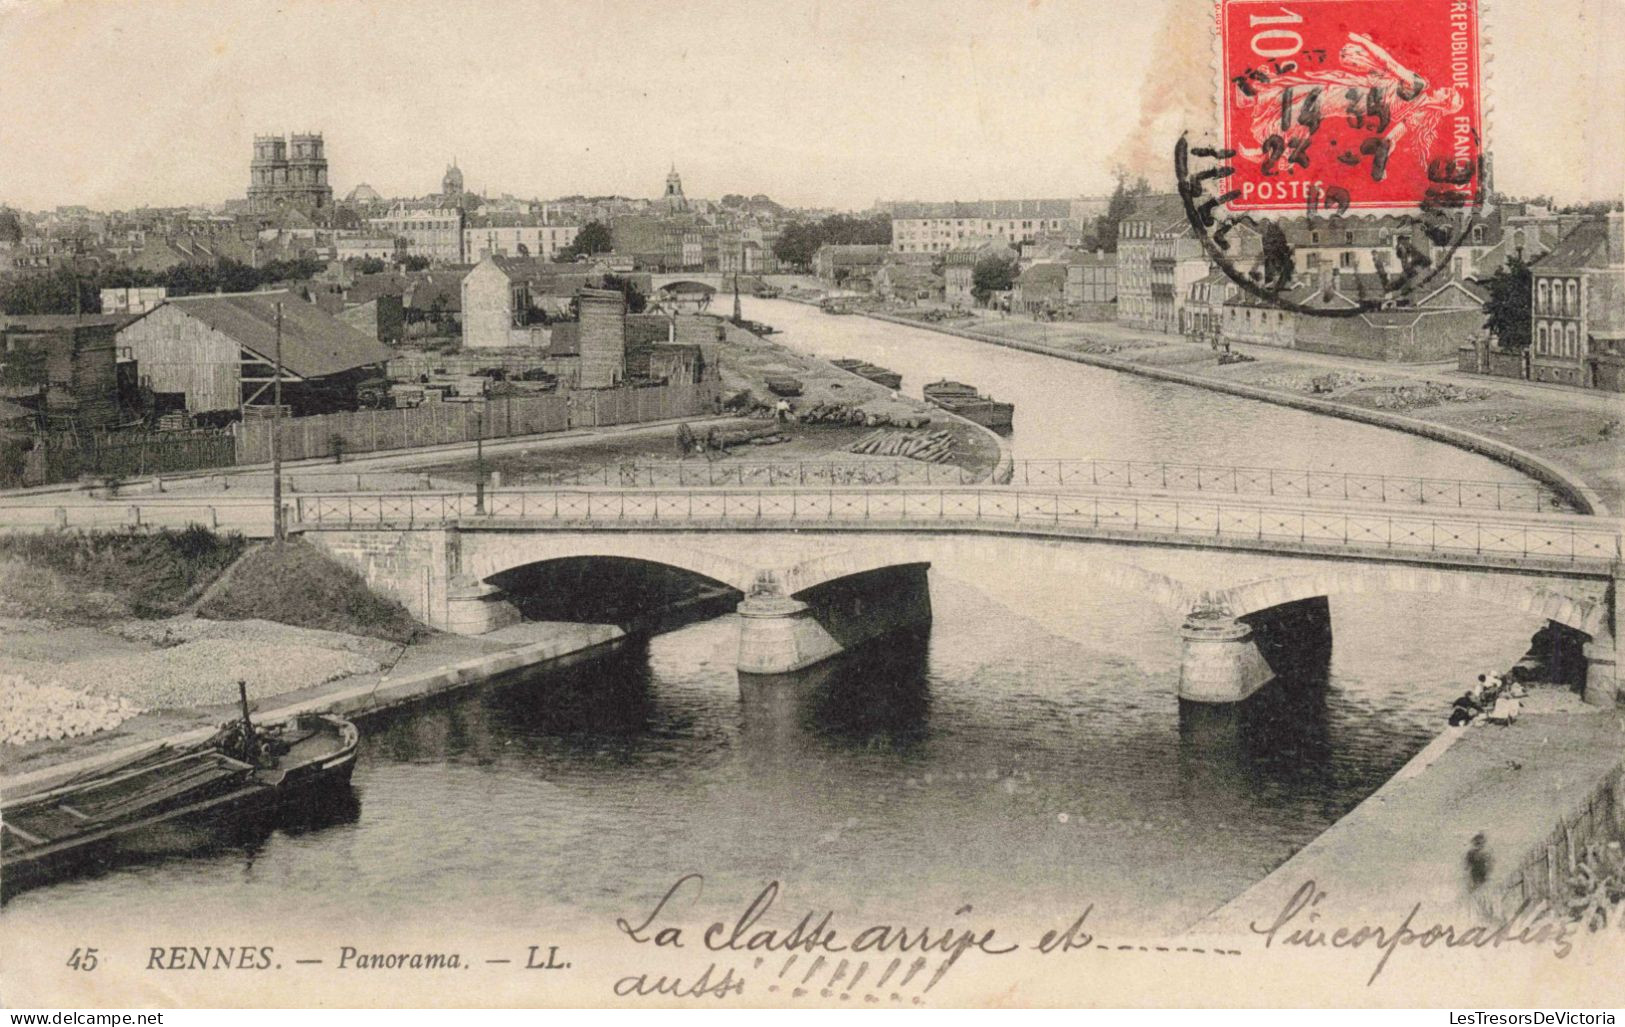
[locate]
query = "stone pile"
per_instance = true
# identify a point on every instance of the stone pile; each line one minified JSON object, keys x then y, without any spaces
{"x":31,"y":712}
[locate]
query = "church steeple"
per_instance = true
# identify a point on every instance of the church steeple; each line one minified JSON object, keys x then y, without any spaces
{"x":673,"y":197}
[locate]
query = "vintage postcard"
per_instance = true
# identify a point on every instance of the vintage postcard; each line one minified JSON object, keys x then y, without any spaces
{"x":811,"y":503}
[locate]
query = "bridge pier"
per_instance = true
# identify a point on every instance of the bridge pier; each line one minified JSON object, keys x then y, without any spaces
{"x":1602,"y":671}
{"x":1221,"y":661}
{"x":779,"y":634}
{"x":477,"y":608}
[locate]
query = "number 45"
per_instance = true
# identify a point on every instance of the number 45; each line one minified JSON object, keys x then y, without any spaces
{"x":82,"y":959}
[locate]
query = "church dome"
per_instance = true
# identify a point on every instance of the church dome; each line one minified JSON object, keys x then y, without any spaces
{"x":363,"y":193}
{"x":452,"y":183}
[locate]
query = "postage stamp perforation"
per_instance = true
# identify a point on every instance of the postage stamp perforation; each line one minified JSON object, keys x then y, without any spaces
{"x":1293,"y":79}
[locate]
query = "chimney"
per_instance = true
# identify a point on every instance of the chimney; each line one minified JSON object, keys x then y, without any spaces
{"x":602,"y":337}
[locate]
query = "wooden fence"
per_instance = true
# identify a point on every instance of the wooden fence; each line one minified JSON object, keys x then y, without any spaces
{"x":66,"y":457}
{"x":438,"y":424}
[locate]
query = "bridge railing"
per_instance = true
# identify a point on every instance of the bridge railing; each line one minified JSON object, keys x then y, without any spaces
{"x":1286,"y":483}
{"x":1089,"y":516}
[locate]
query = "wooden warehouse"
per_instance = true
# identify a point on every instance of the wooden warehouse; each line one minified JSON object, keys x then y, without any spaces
{"x":213,"y":355}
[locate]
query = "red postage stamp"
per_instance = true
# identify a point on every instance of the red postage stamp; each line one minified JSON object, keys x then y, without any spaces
{"x":1366,"y":106}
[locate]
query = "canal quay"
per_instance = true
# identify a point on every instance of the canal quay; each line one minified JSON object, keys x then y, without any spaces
{"x":1020,"y":745}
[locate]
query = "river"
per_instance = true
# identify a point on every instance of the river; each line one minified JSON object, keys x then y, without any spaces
{"x":1028,"y":756}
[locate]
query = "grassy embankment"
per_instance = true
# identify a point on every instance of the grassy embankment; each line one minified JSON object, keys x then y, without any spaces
{"x":97,"y":629}
{"x":100,"y":577}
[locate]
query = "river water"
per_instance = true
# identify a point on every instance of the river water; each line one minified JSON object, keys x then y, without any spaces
{"x":1027,"y":756}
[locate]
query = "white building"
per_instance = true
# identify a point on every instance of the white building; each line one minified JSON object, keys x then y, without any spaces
{"x":363,"y":246}
{"x":521,"y":240}
{"x":433,"y":233}
{"x":939,"y":227}
{"x":133,"y":300}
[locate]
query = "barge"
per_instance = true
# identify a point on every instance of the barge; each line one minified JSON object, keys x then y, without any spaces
{"x":242,"y":768}
{"x":874,"y":372}
{"x":963,"y":400}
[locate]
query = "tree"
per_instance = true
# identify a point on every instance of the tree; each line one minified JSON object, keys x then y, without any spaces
{"x":11,"y":226}
{"x":52,"y":292}
{"x":1121,"y":205}
{"x":1276,"y":257}
{"x":796,"y":244}
{"x":371,"y":266}
{"x":635,"y":300}
{"x":993,"y":273}
{"x":594,"y":237}
{"x":1507,"y":311}
{"x":844,"y":230}
{"x":413,"y":262}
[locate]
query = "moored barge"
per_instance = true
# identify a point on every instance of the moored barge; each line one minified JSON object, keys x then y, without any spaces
{"x":963,"y":400}
{"x":883,"y":376}
{"x":244,"y":767}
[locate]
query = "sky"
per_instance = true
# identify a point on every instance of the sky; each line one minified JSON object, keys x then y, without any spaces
{"x":832,"y":103}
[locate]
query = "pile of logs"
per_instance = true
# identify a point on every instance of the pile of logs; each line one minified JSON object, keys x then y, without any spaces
{"x":724,"y":438}
{"x":932,"y":447}
{"x":842,"y":413}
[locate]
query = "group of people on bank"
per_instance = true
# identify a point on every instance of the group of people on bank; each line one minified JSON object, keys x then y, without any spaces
{"x":1492,"y":699}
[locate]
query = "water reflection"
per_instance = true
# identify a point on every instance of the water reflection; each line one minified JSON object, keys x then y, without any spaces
{"x":873,"y":698}
{"x":233,"y":837}
{"x":1279,"y":739}
{"x":991,"y":761}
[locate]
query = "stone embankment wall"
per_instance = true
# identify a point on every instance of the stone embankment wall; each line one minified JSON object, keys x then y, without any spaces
{"x":1543,"y":873}
{"x":1569,"y":485}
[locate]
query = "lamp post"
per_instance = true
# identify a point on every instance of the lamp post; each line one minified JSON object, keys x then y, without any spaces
{"x":479,"y":462}
{"x":279,"y":526}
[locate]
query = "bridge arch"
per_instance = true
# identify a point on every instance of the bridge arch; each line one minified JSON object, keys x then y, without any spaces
{"x":492,"y":556}
{"x":1175,"y":598}
{"x":1583,"y":615}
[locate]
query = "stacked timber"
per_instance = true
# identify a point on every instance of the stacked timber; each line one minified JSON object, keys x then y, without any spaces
{"x":844,"y":413}
{"x":932,"y":447}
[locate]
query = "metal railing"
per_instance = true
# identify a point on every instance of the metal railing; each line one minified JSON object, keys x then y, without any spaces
{"x":1136,"y":474}
{"x":1292,"y":484}
{"x":1262,"y":526}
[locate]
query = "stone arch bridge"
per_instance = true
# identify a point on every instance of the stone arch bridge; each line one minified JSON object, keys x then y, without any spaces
{"x":819,"y":571}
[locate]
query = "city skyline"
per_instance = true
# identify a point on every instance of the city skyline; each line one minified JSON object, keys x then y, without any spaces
{"x":823,"y":105}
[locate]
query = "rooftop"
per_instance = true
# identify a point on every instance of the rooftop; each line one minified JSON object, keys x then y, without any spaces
{"x":1592,"y":244}
{"x":314,"y":343}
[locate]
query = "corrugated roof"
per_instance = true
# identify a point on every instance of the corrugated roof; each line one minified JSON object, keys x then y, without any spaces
{"x":314,"y":343}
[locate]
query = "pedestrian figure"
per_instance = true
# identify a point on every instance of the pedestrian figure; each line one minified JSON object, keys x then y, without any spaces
{"x":1478,"y":862}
